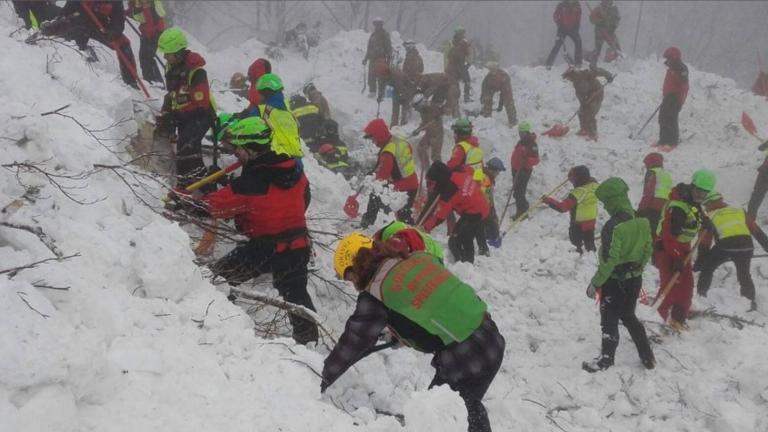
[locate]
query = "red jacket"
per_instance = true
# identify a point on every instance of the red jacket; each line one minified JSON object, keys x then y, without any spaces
{"x":467,"y":199}
{"x":387,"y":169}
{"x":671,"y":218}
{"x":526,"y":154}
{"x":567,"y":205}
{"x":255,"y":71}
{"x":265,"y":201}
{"x":192,"y":94}
{"x":153,"y":23}
{"x":676,"y":83}
{"x":567,"y":16}
{"x":649,"y":200}
{"x":459,"y":157}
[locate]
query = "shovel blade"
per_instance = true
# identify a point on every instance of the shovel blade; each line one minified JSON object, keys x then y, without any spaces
{"x":748,"y":124}
{"x":556,"y":131}
{"x":352,"y":207}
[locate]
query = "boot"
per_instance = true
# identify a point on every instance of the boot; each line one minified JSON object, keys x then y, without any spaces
{"x":752,"y":306}
{"x":599,"y":364}
{"x":649,"y":362}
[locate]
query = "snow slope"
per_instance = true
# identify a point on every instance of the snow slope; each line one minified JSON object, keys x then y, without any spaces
{"x":142,"y":341}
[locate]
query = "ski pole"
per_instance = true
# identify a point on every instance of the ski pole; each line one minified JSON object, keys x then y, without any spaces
{"x":635,"y":135}
{"x":509,"y":197}
{"x":157,"y":57}
{"x":120,"y":55}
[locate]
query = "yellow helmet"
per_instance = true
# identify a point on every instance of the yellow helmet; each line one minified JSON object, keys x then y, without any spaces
{"x":347,"y":250}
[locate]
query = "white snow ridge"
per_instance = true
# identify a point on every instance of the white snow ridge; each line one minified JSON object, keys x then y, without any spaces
{"x":128,"y":334}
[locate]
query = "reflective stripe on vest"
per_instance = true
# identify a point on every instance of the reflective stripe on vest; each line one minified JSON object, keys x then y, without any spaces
{"x":422,"y":290}
{"x":663,"y":183}
{"x":473,"y":157}
{"x":401,"y":150}
{"x":180,"y":99}
{"x":286,"y":131}
{"x":586,"y":202}
{"x":138,"y":6}
{"x":692,"y":223}
{"x":729,"y":222}
{"x":305,"y":110}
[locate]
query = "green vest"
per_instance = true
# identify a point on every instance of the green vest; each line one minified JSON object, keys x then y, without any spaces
{"x":663,"y":183}
{"x":729,"y":222}
{"x":285,"y":129}
{"x":138,"y":16}
{"x":586,"y":202}
{"x":422,"y":290}
{"x":473,"y":156}
{"x":430,"y":245}
{"x":401,"y":150}
{"x":692,"y":222}
{"x":305,"y":110}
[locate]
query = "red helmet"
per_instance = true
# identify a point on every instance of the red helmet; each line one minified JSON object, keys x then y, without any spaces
{"x":381,"y":69}
{"x":326,"y":149}
{"x":653,"y":160}
{"x":673,"y":53}
{"x":258,"y":68}
{"x":378,"y":131}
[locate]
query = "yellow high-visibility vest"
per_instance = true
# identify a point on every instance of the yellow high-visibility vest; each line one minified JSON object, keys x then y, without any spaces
{"x":401,"y":150}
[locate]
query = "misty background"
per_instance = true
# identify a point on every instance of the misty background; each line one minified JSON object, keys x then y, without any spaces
{"x":723,"y":37}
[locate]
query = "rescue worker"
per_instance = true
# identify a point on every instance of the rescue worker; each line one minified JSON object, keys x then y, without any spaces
{"x":75,"y":23}
{"x":491,"y":223}
{"x":430,"y":146}
{"x":437,"y":88}
{"x":149,"y":14}
{"x":567,"y":16}
{"x":761,"y":184}
{"x":256,"y":70}
{"x":379,"y":51}
{"x":498,"y":80}
{"x":605,"y":17}
{"x":457,"y":63}
{"x":273,"y":110}
{"x":328,"y":133}
{"x":589,"y":91}
{"x":309,"y":119}
{"x":680,"y":222}
{"x":267,"y":202}
{"x":333,"y":159}
{"x":656,"y":187}
{"x":403,"y":91}
{"x":316,"y":98}
{"x":413,"y":65}
{"x":188,"y":110}
{"x":732,"y":230}
{"x":625,"y":250}
{"x":674,"y":91}
{"x":453,"y":325}
{"x":238,"y":84}
{"x":409,"y":239}
{"x":457,"y":191}
{"x":467,"y":151}
{"x":34,"y":12}
{"x":395,"y":166}
{"x":525,"y":156}
{"x":581,"y":203}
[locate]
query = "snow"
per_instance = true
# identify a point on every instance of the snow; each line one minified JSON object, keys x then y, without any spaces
{"x":142,"y":341}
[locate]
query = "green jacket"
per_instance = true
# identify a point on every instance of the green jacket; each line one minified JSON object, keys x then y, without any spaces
{"x":626,"y":239}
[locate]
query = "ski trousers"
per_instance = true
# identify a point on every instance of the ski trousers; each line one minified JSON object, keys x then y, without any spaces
{"x":677,"y":303}
{"x":518,"y":191}
{"x":618,"y":300}
{"x":149,"y":68}
{"x":581,"y":238}
{"x":718,"y":256}
{"x":669,"y":130}
{"x":461,"y":243}
{"x":375,"y":204}
{"x":189,"y":150}
{"x":560,"y":40}
{"x":759,"y":191}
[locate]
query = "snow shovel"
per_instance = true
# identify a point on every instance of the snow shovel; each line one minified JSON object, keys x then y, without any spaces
{"x":205,"y":180}
{"x":561,"y":129}
{"x":749,"y":125}
{"x":352,"y":206}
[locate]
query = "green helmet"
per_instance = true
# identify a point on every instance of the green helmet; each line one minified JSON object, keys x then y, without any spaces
{"x":269,"y":81}
{"x":704,"y":179}
{"x":392,"y":229}
{"x":459,"y":29}
{"x":172,"y":41}
{"x":462,"y":126}
{"x":524,"y":127}
{"x":224,"y":121}
{"x":249,"y":131}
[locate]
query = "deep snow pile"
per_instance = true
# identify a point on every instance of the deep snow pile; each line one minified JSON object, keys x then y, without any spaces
{"x":141,"y":340}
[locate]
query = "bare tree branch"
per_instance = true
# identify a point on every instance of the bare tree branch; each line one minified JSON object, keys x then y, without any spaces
{"x":22,"y":296}
{"x":13,"y":271}
{"x":47,"y":241}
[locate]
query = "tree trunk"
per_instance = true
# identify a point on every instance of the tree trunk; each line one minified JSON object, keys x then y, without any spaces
{"x":366,"y":15}
{"x":400,"y":11}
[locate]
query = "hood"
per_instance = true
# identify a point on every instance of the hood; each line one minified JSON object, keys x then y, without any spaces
{"x":258,"y":68}
{"x":378,"y":131}
{"x":613,"y":194}
{"x":653,"y":160}
{"x":277,"y":100}
{"x":579,"y":175}
{"x":194,"y":60}
{"x":528,"y":139}
{"x":681,"y":192}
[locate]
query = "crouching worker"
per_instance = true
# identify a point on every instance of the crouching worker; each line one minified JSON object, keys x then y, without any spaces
{"x":437,"y":314}
{"x":406,"y":238}
{"x":582,"y":205}
{"x":267,"y":202}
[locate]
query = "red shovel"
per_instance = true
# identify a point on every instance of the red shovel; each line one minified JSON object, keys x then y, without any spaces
{"x":352,"y":207}
{"x":559,"y":129}
{"x":749,"y":125}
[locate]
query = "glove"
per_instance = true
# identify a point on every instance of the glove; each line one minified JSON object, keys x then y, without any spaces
{"x":365,"y":60}
{"x":494,"y":242}
{"x":591,"y":291}
{"x":678,"y":264}
{"x":610,"y":78}
{"x":763,"y":146}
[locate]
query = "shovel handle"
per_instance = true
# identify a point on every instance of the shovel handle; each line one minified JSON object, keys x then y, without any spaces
{"x":213,"y":177}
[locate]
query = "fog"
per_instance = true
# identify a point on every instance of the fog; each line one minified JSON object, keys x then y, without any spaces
{"x":716,"y":36}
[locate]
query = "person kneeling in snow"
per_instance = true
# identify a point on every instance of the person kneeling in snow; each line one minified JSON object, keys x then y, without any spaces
{"x":267,"y":202}
{"x":582,"y":205}
{"x":438,"y":314}
{"x":625,"y":250}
